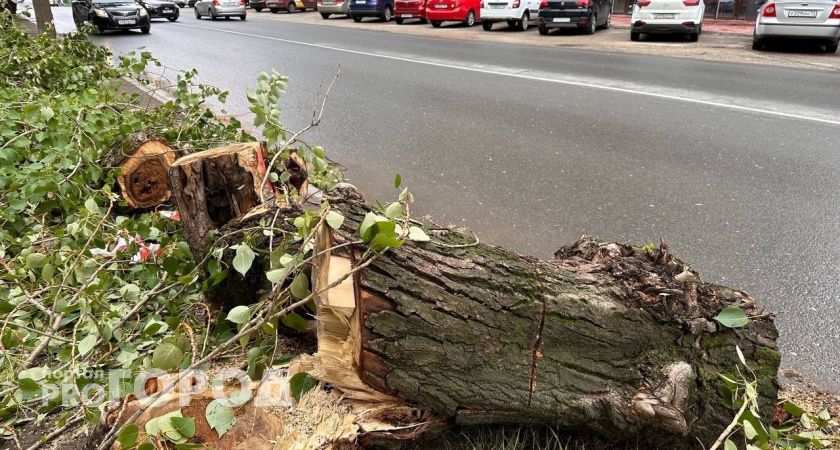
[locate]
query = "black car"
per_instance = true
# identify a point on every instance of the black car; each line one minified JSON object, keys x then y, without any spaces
{"x":585,"y":15}
{"x":161,"y":9}
{"x":257,"y":5}
{"x":111,"y":14}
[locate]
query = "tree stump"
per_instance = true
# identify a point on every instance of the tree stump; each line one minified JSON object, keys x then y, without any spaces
{"x":144,"y":162}
{"x":216,"y":186}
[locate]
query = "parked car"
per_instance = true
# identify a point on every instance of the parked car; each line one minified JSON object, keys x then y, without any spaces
{"x":464,"y":11}
{"x":585,"y":15}
{"x":111,"y":15}
{"x":517,"y":13}
{"x":290,"y":5}
{"x":257,"y":5}
{"x":220,"y":8}
{"x":181,"y":3}
{"x":161,"y":9}
{"x":812,"y":20}
{"x":384,"y":9}
{"x":330,"y":7}
{"x":410,"y":9}
{"x":667,"y":16}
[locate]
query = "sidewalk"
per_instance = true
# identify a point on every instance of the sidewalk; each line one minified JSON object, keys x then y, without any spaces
{"x":709,"y":25}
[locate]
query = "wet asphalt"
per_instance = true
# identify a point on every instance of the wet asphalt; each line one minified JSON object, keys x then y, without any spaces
{"x":734,"y":165}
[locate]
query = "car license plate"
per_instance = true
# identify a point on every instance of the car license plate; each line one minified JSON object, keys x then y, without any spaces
{"x":406,"y":15}
{"x":801,"y":13}
{"x":562,"y":20}
{"x":440,"y":6}
{"x":167,"y":10}
{"x":497,"y":6}
{"x":126,"y":22}
{"x":361,"y":2}
{"x":664,"y":16}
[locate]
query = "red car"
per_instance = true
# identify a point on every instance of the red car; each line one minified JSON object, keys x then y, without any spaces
{"x":410,"y":9}
{"x":465,"y":11}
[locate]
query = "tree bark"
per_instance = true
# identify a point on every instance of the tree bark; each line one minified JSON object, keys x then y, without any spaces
{"x":144,"y":162}
{"x":216,"y":186}
{"x":43,"y":16}
{"x":606,"y":338}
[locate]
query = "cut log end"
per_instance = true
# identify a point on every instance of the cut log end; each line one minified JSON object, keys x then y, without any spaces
{"x":144,"y":166}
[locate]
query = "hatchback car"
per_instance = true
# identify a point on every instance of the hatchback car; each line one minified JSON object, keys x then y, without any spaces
{"x":811,"y":20}
{"x":330,"y":7}
{"x":410,"y":10}
{"x":384,"y":9}
{"x":517,"y":13}
{"x":220,"y":8}
{"x":464,"y":11}
{"x":290,"y":6}
{"x":667,"y":16}
{"x":257,"y":5}
{"x":161,"y":9}
{"x":585,"y":15}
{"x":111,"y":14}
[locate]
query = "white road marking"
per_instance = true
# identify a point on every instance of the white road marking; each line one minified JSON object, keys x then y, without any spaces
{"x":567,"y":82}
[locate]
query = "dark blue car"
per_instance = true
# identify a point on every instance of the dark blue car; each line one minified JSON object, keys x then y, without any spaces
{"x":384,"y":9}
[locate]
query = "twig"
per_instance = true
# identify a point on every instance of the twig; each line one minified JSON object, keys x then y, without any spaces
{"x":723,"y":436}
{"x":70,"y":423}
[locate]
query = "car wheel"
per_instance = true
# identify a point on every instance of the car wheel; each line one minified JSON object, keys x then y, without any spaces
{"x":197,"y":15}
{"x":523,"y":22}
{"x":542,"y":29}
{"x":357,"y":19}
{"x":325,"y":16}
{"x":172,"y":19}
{"x":436,"y":23}
{"x":693,"y":37}
{"x":700,"y":29}
{"x":399,"y":20}
{"x":424,"y":21}
{"x":213,"y":15}
{"x":146,"y":29}
{"x":831,"y":47}
{"x":470,"y":19}
{"x":487,"y":25}
{"x":635,"y":36}
{"x":590,"y":28}
{"x":387,"y":14}
{"x":242,"y":17}
{"x":258,"y":9}
{"x":290,"y":8}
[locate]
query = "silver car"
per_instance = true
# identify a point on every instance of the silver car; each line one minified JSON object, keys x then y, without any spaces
{"x":219,"y":8}
{"x":814,"y":20}
{"x":330,"y":7}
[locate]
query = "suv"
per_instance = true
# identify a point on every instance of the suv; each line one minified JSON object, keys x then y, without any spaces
{"x":585,"y":15}
{"x":517,"y":13}
{"x":384,"y":9}
{"x":667,"y":16}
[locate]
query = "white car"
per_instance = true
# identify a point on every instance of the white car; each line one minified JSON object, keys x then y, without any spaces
{"x":667,"y":16}
{"x":517,"y":13}
{"x":815,"y":20}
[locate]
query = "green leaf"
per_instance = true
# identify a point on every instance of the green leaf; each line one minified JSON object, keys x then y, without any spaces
{"x":366,"y":229}
{"x":334,"y":219}
{"x":732,"y":317}
{"x":397,"y":181}
{"x":167,"y":356}
{"x":47,"y":113}
{"x":300,"y":286}
{"x":220,"y":417}
{"x":130,"y":292}
{"x":824,"y":415}
{"x":749,"y":430}
{"x":243,"y":259}
{"x":36,"y":260}
{"x":239,"y":315}
{"x":92,"y":207}
{"x":729,"y":445}
{"x":394,"y":210}
{"x":87,"y":343}
{"x":277,"y":275}
{"x":385,"y":235}
{"x":740,"y":355}
{"x":184,"y":425}
{"x":128,"y":436}
{"x":806,"y":422}
{"x":169,"y":431}
{"x":295,"y":322}
{"x":256,"y":363}
{"x":301,"y":383}
{"x":417,"y":234}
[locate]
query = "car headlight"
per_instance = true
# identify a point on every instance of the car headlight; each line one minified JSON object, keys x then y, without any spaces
{"x":101,"y":13}
{"x":142,"y":12}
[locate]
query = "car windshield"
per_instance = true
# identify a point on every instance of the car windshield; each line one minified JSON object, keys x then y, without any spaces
{"x":119,"y":2}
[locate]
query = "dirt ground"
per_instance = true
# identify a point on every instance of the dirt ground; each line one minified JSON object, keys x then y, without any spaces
{"x":726,"y":47}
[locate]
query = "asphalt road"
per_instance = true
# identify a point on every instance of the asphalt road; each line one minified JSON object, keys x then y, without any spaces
{"x":734,"y":165}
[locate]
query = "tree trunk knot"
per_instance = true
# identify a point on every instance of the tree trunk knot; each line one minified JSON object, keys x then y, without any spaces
{"x":664,"y":405}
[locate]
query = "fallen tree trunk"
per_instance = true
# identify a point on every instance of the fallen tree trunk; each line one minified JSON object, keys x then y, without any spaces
{"x":144,"y":162}
{"x":605,"y":338}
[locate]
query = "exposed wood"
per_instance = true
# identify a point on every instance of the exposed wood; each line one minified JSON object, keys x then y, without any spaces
{"x":606,"y":338}
{"x":216,"y":186}
{"x":144,"y":162}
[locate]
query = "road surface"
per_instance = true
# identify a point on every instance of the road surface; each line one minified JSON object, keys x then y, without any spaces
{"x":734,"y":165}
